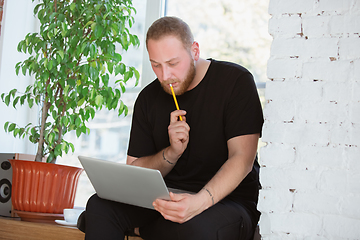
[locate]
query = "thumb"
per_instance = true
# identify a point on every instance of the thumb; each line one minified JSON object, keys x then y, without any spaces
{"x":175,"y":197}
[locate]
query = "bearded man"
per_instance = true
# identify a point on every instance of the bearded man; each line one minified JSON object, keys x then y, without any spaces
{"x":211,"y":152}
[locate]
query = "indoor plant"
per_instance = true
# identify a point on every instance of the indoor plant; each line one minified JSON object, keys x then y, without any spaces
{"x":73,"y":60}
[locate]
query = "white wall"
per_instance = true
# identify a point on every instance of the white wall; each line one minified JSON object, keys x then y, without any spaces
{"x":311,"y":165}
{"x":18,"y":20}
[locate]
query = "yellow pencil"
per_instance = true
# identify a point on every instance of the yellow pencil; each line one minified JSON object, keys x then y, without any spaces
{"x":176,"y":103}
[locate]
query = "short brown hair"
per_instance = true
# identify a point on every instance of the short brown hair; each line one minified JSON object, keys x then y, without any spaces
{"x":171,"y":26}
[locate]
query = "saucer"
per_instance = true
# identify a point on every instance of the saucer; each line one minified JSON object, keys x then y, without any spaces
{"x":38,"y":217}
{"x":63,"y":222}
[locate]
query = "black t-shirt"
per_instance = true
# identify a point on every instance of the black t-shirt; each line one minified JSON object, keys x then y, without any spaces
{"x":225,"y":104}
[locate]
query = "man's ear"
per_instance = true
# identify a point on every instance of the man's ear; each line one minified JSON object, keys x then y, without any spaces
{"x":195,"y":50}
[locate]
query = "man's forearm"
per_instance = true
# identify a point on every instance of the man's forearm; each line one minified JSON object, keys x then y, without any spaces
{"x":163,"y":161}
{"x":233,"y":171}
{"x":226,"y":179}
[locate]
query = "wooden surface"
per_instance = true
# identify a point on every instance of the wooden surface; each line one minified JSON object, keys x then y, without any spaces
{"x":20,"y":230}
{"x":14,"y":229}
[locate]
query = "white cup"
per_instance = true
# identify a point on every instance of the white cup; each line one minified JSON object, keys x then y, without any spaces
{"x":71,"y":215}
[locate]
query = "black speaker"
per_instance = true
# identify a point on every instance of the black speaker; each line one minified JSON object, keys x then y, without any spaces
{"x":5,"y":183}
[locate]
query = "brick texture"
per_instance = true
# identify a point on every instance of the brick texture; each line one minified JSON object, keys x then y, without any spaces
{"x":310,"y":166}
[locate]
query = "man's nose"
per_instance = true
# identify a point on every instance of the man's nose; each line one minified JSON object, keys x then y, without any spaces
{"x":166,"y":73}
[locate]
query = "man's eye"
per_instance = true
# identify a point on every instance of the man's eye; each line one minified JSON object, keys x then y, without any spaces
{"x":173,"y":64}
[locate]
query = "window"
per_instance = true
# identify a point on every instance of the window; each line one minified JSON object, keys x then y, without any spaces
{"x":235,"y":31}
{"x":109,"y":133}
{"x":227,"y":30}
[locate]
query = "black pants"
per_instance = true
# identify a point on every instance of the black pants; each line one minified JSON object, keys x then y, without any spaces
{"x":107,"y":220}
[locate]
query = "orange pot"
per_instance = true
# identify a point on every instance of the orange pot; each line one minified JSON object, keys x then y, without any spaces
{"x":43,"y":187}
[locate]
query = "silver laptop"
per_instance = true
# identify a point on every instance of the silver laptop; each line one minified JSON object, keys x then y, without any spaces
{"x":126,"y":183}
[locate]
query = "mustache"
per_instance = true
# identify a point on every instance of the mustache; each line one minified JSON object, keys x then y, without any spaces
{"x":170,"y":81}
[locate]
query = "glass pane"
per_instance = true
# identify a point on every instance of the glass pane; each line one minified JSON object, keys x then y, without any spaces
{"x":228,"y":30}
{"x":109,"y":133}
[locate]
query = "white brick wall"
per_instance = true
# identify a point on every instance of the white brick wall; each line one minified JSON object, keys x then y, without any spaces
{"x":311,"y":164}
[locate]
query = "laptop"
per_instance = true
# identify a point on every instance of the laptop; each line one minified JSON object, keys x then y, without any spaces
{"x":126,"y":183}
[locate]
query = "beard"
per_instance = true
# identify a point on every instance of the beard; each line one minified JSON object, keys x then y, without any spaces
{"x":183,"y":87}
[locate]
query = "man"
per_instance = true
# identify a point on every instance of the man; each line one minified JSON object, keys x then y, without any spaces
{"x":211,"y":152}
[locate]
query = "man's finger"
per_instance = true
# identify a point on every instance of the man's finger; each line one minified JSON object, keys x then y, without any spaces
{"x":176,"y":197}
{"x":175,"y":115}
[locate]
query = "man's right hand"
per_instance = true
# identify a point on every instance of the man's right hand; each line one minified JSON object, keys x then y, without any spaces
{"x":178,"y":135}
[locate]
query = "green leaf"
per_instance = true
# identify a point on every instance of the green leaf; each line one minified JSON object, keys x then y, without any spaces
{"x":81,"y":102}
{"x":36,"y":9}
{"x":66,"y":90}
{"x":126,"y":110}
{"x":117,"y":93}
{"x":13,"y":92}
{"x":121,"y":108}
{"x":50,"y":65}
{"x":98,"y":31}
{"x":123,"y":89}
{"x":121,"y":68}
{"x":24,"y":68}
{"x":92,"y":113}
{"x":99,"y":100}
{"x":117,"y":57}
{"x":110,"y":66}
{"x":7,"y":100}
{"x":11,"y":127}
{"x":83,"y":129}
{"x":51,"y":138}
{"x":78,"y":132}
{"x":72,"y":6}
{"x":61,"y":53}
{"x":72,"y":147}
{"x":114,"y":29}
{"x":88,"y":23}
{"x":16,"y":131}
{"x":30,"y":101}
{"x":15,"y":101}
{"x":21,"y":133}
{"x":58,"y":151}
{"x":93,"y":26}
{"x":127,"y":76}
{"x":77,"y":122}
{"x":22,"y":99}
{"x":54,"y":114}
{"x":50,"y":157}
{"x":105,"y":79}
{"x":137,"y":74}
{"x":6,"y":126}
{"x":65,"y":147}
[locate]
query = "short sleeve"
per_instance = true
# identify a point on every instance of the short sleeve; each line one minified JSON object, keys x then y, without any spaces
{"x":141,"y":142}
{"x":243,"y":112}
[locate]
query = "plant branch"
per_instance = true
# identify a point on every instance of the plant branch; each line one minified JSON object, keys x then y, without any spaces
{"x":44,"y":115}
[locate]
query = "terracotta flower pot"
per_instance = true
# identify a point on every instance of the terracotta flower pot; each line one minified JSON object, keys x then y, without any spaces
{"x":43,"y":187}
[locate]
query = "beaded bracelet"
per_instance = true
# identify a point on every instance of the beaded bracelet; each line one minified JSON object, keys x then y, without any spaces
{"x":165,"y":158}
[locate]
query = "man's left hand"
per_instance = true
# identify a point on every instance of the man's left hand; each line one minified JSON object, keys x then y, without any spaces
{"x":181,"y":208}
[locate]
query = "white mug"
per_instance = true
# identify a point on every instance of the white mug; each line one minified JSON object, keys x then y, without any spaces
{"x":71,"y":215}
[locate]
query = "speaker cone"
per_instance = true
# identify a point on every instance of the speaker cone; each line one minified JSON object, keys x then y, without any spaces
{"x":5,"y":190}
